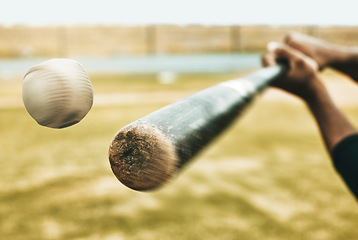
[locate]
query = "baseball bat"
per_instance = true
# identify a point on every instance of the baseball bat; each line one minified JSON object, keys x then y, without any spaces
{"x":148,"y":152}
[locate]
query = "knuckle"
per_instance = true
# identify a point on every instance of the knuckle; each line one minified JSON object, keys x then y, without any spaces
{"x":290,"y":38}
{"x":300,"y":62}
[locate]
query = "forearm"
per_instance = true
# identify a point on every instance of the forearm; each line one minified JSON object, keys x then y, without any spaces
{"x":333,"y":126}
{"x":339,"y":135}
{"x":345,"y":59}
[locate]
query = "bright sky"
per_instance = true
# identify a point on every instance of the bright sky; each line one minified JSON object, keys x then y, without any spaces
{"x":220,"y":12}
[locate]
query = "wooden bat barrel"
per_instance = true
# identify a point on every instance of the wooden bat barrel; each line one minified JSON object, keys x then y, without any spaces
{"x":148,"y":152}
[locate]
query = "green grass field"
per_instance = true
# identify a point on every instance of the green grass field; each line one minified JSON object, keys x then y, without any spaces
{"x":267,"y":177}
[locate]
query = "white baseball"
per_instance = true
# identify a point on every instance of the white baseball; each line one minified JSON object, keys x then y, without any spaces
{"x":57,"y":93}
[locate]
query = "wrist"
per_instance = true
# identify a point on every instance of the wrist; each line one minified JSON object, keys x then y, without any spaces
{"x":341,"y":55}
{"x":314,"y":91}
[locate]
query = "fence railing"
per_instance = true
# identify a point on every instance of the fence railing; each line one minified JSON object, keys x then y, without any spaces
{"x":67,"y":41}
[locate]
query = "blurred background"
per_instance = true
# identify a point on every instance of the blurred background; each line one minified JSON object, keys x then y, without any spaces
{"x":267,"y":177}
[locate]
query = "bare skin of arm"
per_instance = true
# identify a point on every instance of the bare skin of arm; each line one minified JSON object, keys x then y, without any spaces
{"x":304,"y":81}
{"x":333,"y":125}
{"x":341,"y":58}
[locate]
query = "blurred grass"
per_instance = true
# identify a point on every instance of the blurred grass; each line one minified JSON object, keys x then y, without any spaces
{"x":114,"y":83}
{"x":268,"y":177}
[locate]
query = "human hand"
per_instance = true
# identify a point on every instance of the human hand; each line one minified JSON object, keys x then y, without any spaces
{"x":303,"y":72}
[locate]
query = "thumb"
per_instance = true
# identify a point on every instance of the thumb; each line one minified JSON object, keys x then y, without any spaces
{"x":283,"y":51}
{"x":268,"y":59}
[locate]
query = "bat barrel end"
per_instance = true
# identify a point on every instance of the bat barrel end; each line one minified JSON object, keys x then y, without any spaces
{"x":142,"y":157}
